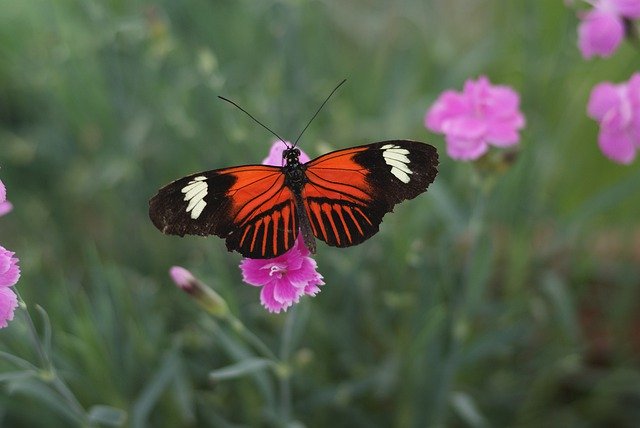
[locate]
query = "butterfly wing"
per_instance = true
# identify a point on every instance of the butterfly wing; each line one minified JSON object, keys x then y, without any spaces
{"x":249,"y":206}
{"x":349,"y":191}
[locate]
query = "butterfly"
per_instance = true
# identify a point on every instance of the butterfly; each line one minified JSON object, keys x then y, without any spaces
{"x":339,"y":198}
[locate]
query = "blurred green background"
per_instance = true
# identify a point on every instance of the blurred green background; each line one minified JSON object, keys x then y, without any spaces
{"x":503,"y":297}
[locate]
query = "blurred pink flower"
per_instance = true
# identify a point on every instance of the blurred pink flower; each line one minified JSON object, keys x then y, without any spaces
{"x":275,"y":154}
{"x":182,"y":277}
{"x":481,"y":115}
{"x":286,"y":278}
{"x":617,"y":108}
{"x":602,"y":28}
{"x":5,"y":206}
{"x":203,"y":294}
{"x":9,"y":275}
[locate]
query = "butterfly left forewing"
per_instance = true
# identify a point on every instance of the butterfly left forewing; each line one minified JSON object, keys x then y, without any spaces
{"x":349,"y":191}
{"x":249,"y":206}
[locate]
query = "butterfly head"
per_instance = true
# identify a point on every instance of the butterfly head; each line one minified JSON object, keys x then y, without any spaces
{"x":291,"y":156}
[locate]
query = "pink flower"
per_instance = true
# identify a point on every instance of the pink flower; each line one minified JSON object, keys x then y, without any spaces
{"x":275,"y":154}
{"x":203,"y":294}
{"x":617,"y":108}
{"x":9,"y":275}
{"x":602,"y":28}
{"x":5,"y":206}
{"x":479,"y":116}
{"x":286,"y":278}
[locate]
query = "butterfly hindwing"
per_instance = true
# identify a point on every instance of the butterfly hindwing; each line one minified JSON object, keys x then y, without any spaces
{"x":249,"y":206}
{"x":349,"y":191}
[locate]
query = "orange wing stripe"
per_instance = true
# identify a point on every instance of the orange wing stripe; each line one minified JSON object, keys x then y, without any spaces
{"x":255,"y":233}
{"x":244,"y":234}
{"x":353,"y":217}
{"x":315,"y":208}
{"x":363,"y":215}
{"x":267,"y":220}
{"x":338,"y":210}
{"x":276,"y":221}
{"x":327,"y":210}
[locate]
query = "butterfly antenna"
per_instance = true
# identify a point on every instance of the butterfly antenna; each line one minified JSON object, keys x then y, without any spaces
{"x":318,"y":111}
{"x":254,"y":119}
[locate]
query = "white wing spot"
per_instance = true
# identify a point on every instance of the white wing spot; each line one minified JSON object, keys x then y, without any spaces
{"x":395,"y":157}
{"x":194,"y":193}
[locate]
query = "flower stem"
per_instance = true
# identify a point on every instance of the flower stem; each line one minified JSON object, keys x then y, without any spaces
{"x":285,"y":373}
{"x":458,"y":314}
{"x":48,"y":371}
{"x":237,"y":326}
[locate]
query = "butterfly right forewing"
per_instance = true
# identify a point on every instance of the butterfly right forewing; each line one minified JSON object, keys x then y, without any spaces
{"x":349,"y":191}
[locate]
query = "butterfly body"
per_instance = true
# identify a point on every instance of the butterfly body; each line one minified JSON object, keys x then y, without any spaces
{"x":339,"y":198}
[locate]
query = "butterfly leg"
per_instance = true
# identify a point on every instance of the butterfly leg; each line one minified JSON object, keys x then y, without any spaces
{"x":305,"y":224}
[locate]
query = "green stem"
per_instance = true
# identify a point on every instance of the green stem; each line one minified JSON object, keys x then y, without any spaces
{"x":285,"y":375}
{"x":454,"y":340}
{"x":50,"y":374}
{"x":237,"y":326}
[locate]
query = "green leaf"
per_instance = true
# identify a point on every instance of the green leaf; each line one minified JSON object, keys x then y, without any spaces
{"x":18,"y":375}
{"x":107,"y":415}
{"x":466,"y":408}
{"x":150,"y":395}
{"x":243,"y":368}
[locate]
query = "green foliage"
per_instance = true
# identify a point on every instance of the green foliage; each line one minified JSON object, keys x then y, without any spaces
{"x":502,"y":297}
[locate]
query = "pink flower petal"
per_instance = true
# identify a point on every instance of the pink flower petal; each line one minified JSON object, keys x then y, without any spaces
{"x":9,"y":269}
{"x":8,"y":304}
{"x":253,"y":272}
{"x":285,"y":292}
{"x":275,"y":154}
{"x":627,"y":8}
{"x":5,"y":208}
{"x":599,"y":33}
{"x":481,"y":114}
{"x":604,"y":97}
{"x":502,"y":102}
{"x":504,"y":133}
{"x":617,"y":145}
{"x":269,"y":302}
{"x":449,"y":105}
{"x":3,"y":192}
{"x":465,"y":149}
{"x":465,"y":128}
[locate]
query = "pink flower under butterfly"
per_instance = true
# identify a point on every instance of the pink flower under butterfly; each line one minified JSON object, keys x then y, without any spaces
{"x":479,"y":116}
{"x":602,"y":28}
{"x":617,"y":109}
{"x":286,"y":278}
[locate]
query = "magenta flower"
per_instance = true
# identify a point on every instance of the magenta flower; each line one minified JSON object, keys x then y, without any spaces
{"x":5,"y":206}
{"x":602,"y":28}
{"x":480,"y":116}
{"x":286,"y":278}
{"x":617,"y":108}
{"x":9,"y":275}
{"x":275,"y":154}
